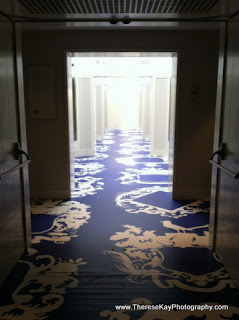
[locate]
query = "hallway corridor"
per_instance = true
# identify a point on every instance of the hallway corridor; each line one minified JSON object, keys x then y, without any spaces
{"x":121,"y":240}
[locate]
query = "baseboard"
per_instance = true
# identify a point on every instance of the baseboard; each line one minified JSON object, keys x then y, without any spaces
{"x":191,"y":194}
{"x":146,"y":137}
{"x":4,"y":275}
{"x":159,"y":153}
{"x":84,"y":153}
{"x":50,"y":194}
{"x":99,"y":137}
{"x":7,"y":269}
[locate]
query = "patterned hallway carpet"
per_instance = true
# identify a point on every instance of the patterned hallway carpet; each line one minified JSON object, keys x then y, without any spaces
{"x":121,"y":249}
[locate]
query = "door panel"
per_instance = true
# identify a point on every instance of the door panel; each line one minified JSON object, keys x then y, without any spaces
{"x":8,"y":108}
{"x":12,"y":197}
{"x":227,"y":204}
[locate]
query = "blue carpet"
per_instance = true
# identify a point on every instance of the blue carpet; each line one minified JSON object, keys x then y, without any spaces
{"x":121,"y":248}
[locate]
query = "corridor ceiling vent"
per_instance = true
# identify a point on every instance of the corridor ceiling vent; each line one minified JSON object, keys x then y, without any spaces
{"x":118,"y":6}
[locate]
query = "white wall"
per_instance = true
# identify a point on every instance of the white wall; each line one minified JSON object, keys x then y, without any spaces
{"x":85,"y":143}
{"x":106,"y":106}
{"x":99,"y":111}
{"x":160,"y":118}
{"x":121,"y":64}
{"x":147,"y":108}
{"x":140,"y":107}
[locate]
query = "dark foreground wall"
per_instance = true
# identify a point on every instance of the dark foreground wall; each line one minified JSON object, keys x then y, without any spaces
{"x":198,"y":55}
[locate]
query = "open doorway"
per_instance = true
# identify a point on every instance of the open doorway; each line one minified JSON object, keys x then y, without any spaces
{"x":122,"y":91}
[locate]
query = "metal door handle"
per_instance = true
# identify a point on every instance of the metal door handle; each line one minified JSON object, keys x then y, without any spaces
{"x":18,"y":152}
{"x":14,"y":169}
{"x":221,"y":153}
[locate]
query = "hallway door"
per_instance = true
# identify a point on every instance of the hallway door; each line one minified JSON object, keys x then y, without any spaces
{"x":225,"y":186}
{"x":14,"y":194}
